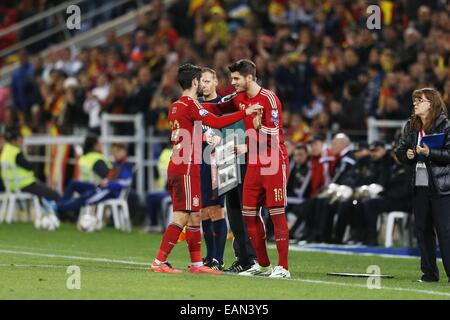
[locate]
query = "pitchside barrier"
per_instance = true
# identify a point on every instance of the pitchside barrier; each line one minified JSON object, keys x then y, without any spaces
{"x":142,"y":148}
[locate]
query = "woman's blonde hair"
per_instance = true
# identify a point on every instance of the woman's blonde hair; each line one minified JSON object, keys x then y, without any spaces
{"x":437,"y":108}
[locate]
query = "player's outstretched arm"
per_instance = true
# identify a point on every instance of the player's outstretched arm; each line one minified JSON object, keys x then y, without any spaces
{"x":213,"y":121}
{"x":226,"y":105}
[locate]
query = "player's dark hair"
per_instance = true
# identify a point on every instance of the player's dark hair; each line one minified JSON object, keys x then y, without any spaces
{"x":90,"y":142}
{"x":244,"y":66}
{"x":188,"y":72}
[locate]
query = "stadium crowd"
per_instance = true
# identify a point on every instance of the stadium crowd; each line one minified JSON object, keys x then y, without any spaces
{"x":329,"y":70}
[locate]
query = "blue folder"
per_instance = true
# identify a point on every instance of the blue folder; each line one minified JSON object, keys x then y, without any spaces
{"x":433,"y":141}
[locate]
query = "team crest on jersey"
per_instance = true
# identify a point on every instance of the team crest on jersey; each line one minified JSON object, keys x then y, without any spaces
{"x":174,"y":110}
{"x":195,"y":201}
{"x":241,"y":106}
{"x":203,"y":112}
{"x":274,"y":117}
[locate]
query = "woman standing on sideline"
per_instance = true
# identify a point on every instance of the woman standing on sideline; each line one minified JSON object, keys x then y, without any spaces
{"x":431,"y":179}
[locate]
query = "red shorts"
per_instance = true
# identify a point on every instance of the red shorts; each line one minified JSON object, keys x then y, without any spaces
{"x":268,"y":190}
{"x":184,"y":191}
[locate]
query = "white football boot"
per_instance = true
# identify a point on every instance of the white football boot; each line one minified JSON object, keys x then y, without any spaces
{"x":257,"y":270}
{"x":280,"y":272}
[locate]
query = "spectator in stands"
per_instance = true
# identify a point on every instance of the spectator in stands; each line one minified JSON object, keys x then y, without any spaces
{"x":349,"y":114}
{"x":69,"y":64}
{"x":298,"y":130}
{"x":4,"y":98}
{"x":95,"y":101}
{"x":22,"y":81}
{"x":74,"y":115}
{"x":111,"y":42}
{"x":142,"y":93}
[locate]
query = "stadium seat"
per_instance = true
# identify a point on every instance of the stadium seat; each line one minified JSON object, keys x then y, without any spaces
{"x":9,"y":198}
{"x":119,"y":209}
{"x":390,"y":224}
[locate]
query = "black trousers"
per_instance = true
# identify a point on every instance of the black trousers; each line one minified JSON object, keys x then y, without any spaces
{"x":242,"y":247}
{"x":302,"y":211}
{"x":431,"y":213}
{"x":42,"y":191}
{"x":372,"y":208}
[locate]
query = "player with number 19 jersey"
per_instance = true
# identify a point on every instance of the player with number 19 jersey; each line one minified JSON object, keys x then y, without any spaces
{"x":262,"y":186}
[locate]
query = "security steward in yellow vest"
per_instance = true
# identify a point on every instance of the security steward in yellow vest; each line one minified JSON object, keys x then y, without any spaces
{"x":12,"y":156}
{"x":94,"y":168}
{"x":93,"y":165}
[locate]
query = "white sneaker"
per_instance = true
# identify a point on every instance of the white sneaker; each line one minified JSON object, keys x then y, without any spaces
{"x":280,"y":272}
{"x":257,"y":270}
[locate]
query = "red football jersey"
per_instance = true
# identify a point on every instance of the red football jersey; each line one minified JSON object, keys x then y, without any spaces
{"x":271,"y":125}
{"x":186,"y":117}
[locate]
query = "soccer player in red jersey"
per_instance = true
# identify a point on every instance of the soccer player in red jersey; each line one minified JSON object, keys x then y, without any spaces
{"x":186,"y":116}
{"x":267,"y":170}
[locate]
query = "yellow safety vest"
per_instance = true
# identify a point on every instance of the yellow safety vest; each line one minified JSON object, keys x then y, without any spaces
{"x":23,"y":176}
{"x":163,"y":163}
{"x":86,"y":165}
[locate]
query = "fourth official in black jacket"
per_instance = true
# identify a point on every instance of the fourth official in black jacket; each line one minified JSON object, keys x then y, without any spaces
{"x":431,"y":179}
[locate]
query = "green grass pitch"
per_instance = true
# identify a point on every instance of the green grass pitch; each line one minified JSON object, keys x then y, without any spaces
{"x":114,"y":265}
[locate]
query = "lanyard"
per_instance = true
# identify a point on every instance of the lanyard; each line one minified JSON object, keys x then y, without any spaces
{"x":420,"y":164}
{"x":421,"y":135}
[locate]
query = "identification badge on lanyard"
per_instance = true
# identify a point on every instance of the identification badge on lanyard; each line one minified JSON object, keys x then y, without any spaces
{"x":420,"y":164}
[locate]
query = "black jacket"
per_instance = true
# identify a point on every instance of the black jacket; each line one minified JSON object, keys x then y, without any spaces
{"x":299,"y":175}
{"x":397,"y":188}
{"x":438,"y":162}
{"x":345,"y":170}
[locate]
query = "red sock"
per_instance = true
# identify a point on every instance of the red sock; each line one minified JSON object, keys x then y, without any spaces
{"x":194,"y":242}
{"x":281,"y":231}
{"x":168,"y":241}
{"x":257,"y":235}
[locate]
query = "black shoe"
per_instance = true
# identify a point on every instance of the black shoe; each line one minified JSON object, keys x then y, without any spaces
{"x":216,"y":265}
{"x":236,"y":267}
{"x":207,"y":261}
{"x":427,"y":279}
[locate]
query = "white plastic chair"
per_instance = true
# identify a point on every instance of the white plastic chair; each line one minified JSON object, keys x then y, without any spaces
{"x":391,"y":217}
{"x":119,"y":209}
{"x":10,"y":198}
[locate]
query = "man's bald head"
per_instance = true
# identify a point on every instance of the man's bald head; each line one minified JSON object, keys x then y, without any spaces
{"x":339,"y":143}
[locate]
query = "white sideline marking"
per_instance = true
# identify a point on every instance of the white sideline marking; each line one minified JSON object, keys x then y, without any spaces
{"x":7,"y":265}
{"x":342,"y":284}
{"x":49,"y":255}
{"x":332,"y":251}
{"x":55,"y":266}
